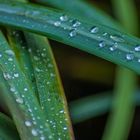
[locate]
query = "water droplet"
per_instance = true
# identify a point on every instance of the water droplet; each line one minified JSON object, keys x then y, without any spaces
{"x":137,"y":48}
{"x":42,"y":138}
{"x":10,"y":52}
{"x":65,"y":128}
{"x":19,"y":100}
{"x":139,"y":60}
{"x":102,"y":44}
{"x":94,"y":29}
{"x":75,"y":23}
{"x":113,"y":47}
{"x":57,"y":23}
{"x":34,"y":132}
{"x":129,"y":56}
{"x":12,"y":89}
{"x":105,"y":34}
{"x":6,"y":76}
{"x":16,"y":75}
{"x":0,"y":55}
{"x":37,"y":69}
{"x":25,"y":89}
{"x":63,"y":18}
{"x":61,"y":111}
{"x":72,"y":33}
{"x":28,"y":123}
{"x":117,"y":38}
{"x":36,"y":58}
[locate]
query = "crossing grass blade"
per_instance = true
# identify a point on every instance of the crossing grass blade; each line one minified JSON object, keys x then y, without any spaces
{"x":47,"y":22}
{"x":7,"y":128}
{"x":82,"y":9}
{"x":20,"y":98}
{"x":51,"y":94}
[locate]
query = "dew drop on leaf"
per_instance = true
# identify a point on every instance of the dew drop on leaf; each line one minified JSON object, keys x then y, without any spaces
{"x":129,"y":56}
{"x":117,"y":38}
{"x":28,"y":123}
{"x":137,"y":48}
{"x":72,"y":33}
{"x":57,"y":23}
{"x":63,"y":18}
{"x":16,"y":75}
{"x":10,"y":52}
{"x":34,"y":132}
{"x":102,"y":44}
{"x":76,"y":23}
{"x":113,"y":47}
{"x":94,"y":29}
{"x":19,"y":100}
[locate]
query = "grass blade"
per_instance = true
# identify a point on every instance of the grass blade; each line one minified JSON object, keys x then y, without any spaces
{"x":81,"y":8}
{"x":45,"y":21}
{"x":120,"y":120}
{"x":30,"y":120}
{"x":94,"y":106}
{"x":51,"y":94}
{"x":7,"y":128}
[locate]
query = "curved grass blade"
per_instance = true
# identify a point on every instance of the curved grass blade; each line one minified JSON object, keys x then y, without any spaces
{"x":22,"y":102}
{"x":120,"y":119}
{"x":7,"y":128}
{"x":94,"y":106}
{"x":18,"y":44}
{"x":107,"y":43}
{"x":51,"y":94}
{"x":81,"y":8}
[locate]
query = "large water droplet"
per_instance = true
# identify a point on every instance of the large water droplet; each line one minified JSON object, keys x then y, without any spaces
{"x":113,"y":47}
{"x":117,"y":38}
{"x":72,"y":33}
{"x":34,"y":132}
{"x":25,"y":89}
{"x":75,"y":23}
{"x":137,"y":48}
{"x":139,"y":60}
{"x":102,"y":44}
{"x":19,"y":100}
{"x":57,"y":23}
{"x":10,"y":59}
{"x":42,"y":138}
{"x":94,"y":29}
{"x":28,"y":123}
{"x":129,"y":56}
{"x":6,"y":76}
{"x":12,"y":89}
{"x":16,"y":75}
{"x":10,"y":52}
{"x":0,"y":55}
{"x":64,"y":18}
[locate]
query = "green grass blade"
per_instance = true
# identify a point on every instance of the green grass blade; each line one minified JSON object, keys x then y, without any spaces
{"x":44,"y":21}
{"x":120,"y":120}
{"x":123,"y":107}
{"x":19,"y":45}
{"x":21,"y":101}
{"x":51,"y":94}
{"x":81,"y":8}
{"x":7,"y":129}
{"x":94,"y":106}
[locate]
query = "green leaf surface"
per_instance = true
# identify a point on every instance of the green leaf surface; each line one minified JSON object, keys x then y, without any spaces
{"x":51,"y":94}
{"x":20,"y":98}
{"x":7,"y":129}
{"x":81,"y":9}
{"x":47,"y":22}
